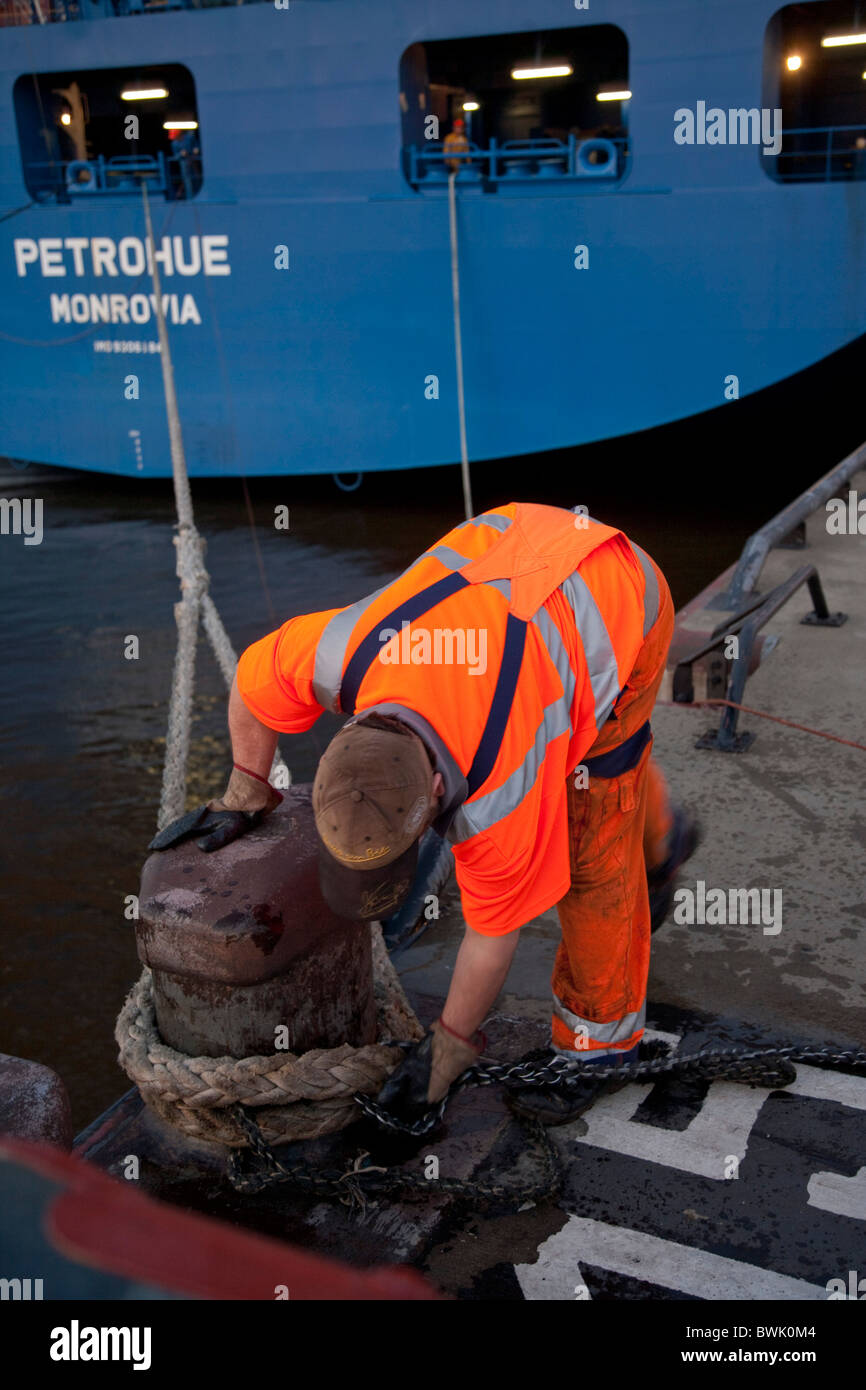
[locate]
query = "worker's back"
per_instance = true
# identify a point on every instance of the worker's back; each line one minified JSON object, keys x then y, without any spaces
{"x":576,"y":590}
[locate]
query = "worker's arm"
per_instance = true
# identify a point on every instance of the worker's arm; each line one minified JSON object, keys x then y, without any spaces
{"x":253,"y":743}
{"x":480,"y":971}
{"x":253,"y":747}
{"x":453,"y":1043}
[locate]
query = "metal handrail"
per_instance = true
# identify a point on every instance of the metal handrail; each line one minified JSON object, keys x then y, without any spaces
{"x":759,"y":545}
{"x":751,"y":620}
{"x":824,"y":151}
{"x":683,"y":679}
{"x":491,"y":164}
{"x":119,"y":175}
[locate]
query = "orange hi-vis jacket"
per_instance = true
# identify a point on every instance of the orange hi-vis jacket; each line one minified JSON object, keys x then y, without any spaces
{"x":505,"y":647}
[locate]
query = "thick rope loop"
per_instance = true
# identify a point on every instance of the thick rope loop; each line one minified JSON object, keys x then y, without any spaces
{"x":294,"y":1096}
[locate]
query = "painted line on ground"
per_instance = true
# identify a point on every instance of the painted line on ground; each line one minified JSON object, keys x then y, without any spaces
{"x":556,"y":1274}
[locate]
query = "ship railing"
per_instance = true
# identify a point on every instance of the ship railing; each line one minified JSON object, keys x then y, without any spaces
{"x":62,"y":181}
{"x":594,"y":159}
{"x":822,"y":154}
{"x":14,"y":12}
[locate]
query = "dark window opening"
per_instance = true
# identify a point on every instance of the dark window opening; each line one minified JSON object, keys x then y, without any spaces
{"x":107,"y":130}
{"x":543,"y":104}
{"x":820,"y":87}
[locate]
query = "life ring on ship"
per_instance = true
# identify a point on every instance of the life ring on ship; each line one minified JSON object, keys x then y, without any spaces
{"x":596,"y":158}
{"x":74,"y":169}
{"x":348,"y":487}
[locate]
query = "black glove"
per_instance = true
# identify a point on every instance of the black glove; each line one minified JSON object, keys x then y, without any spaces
{"x":215,"y":828}
{"x":428,"y":1070}
{"x":245,"y":802}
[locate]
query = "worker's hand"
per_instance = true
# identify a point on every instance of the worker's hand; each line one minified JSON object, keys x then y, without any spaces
{"x":248,"y":793}
{"x":427,"y":1071}
{"x":245,"y":801}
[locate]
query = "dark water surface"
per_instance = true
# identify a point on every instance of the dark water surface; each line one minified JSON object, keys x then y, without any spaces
{"x":82,"y":729}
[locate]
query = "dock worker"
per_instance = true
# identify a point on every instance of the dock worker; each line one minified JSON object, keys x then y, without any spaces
{"x":455,"y":142}
{"x":534,"y":763}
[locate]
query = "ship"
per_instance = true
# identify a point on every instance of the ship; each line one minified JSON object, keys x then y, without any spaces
{"x":391,"y":234}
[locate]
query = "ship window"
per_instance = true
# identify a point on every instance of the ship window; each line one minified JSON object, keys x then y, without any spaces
{"x":815,"y":73}
{"x":505,"y":108}
{"x":104,"y":131}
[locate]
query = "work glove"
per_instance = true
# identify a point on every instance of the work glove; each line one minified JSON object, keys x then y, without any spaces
{"x":427,"y":1071}
{"x":246,"y":800}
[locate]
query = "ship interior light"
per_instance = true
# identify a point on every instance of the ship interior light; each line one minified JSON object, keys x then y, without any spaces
{"x":554,"y":70}
{"x":144,"y":94}
{"x":814,"y":60}
{"x":88,"y":124}
{"x":842,"y":40}
{"x":516,"y":93}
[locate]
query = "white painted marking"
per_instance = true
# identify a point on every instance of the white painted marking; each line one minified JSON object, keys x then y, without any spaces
{"x":840,"y":1195}
{"x":653,"y":1035}
{"x":837,"y":1086}
{"x":556,"y":1273}
{"x":719,"y":1131}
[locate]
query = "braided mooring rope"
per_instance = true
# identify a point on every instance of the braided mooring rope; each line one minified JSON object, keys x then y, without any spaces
{"x":295,"y":1097}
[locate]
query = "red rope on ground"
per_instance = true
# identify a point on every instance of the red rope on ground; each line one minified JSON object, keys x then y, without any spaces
{"x":762,"y":714}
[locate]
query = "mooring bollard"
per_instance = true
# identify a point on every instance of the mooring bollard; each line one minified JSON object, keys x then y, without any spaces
{"x":247,"y":958}
{"x":33,"y":1103}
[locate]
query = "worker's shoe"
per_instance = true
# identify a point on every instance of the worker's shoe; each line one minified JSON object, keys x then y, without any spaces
{"x":684,"y":839}
{"x":570,"y":1097}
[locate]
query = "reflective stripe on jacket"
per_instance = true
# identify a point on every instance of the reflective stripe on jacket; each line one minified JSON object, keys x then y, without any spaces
{"x":587,"y":597}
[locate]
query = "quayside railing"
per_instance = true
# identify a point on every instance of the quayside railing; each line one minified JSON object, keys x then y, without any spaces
{"x":751,"y":610}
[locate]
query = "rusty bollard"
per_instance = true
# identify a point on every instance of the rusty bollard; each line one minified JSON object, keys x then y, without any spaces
{"x":241,"y":945}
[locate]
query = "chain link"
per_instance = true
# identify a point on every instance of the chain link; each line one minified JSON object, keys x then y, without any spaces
{"x":559,"y":1073}
{"x":361,"y":1180}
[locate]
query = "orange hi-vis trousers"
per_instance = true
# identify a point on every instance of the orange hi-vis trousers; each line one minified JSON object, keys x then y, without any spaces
{"x":618,"y":828}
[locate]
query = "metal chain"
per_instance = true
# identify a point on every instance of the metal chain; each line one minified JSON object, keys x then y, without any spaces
{"x":560,"y":1073}
{"x":362,"y":1180}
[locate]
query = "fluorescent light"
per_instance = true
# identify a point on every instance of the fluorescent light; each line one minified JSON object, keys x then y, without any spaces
{"x":794,"y":62}
{"x":180,"y":125}
{"x":612,"y":96}
{"x":471,"y":106}
{"x":144,"y":94}
{"x":558,"y":70}
{"x":843,"y":39}
{"x":66,"y":119}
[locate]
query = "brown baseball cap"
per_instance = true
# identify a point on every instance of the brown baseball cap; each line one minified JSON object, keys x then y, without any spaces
{"x":372,"y":795}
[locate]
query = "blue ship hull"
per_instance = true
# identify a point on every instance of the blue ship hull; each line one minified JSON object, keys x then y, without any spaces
{"x":701,"y":267}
